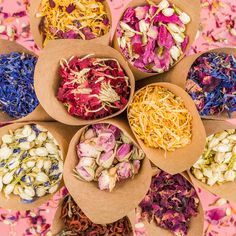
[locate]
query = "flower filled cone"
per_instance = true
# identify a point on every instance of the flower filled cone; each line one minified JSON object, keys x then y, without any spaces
{"x":32,"y":156}
{"x":172,"y":134}
{"x":37,"y":21}
{"x":210,"y":79}
{"x":215,"y":171}
{"x":111,"y":185}
{"x":15,"y":103}
{"x":155,"y":44}
{"x":86,"y":83}
{"x":62,"y":219}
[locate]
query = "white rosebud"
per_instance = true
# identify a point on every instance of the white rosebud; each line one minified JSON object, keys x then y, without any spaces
{"x":207,"y":173}
{"x":51,"y":148}
{"x":32,"y":152}
{"x":9,"y":189}
{"x":25,"y":145}
{"x":175,"y":52}
{"x":185,"y":18}
{"x":42,"y":137}
{"x":227,"y":157}
{"x":198,"y":174}
{"x":26,"y":196}
{"x":168,"y":11}
{"x":30,"y":164}
{"x":47,"y":165}
{"x":5,"y":153}
{"x":13,"y":164}
{"x":27,"y":130}
{"x":219,"y":157}
{"x":225,"y":141}
{"x":42,"y":177}
{"x":163,"y":4}
{"x":50,"y":136}
{"x":2,"y":28}
{"x":40,"y":191}
{"x":232,"y":137}
{"x":223,"y":167}
{"x":32,"y":137}
{"x":177,"y":37}
{"x":29,"y":191}
{"x":221,"y":178}
{"x":39,"y":164}
{"x":53,"y":189}
{"x":222,"y":148}
{"x":221,"y":135}
{"x":213,"y":142}
{"x":7,"y":138}
{"x":41,"y":128}
{"x":173,"y":27}
{"x":41,"y":151}
{"x":230,"y":175}
{"x":211,"y":181}
{"x":143,"y":26}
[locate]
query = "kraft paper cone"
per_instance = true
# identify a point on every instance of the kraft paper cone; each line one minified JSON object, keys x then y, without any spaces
{"x":38,"y":37}
{"x":104,"y":207}
{"x":178,"y":75}
{"x":38,"y":114}
{"x":182,"y":158}
{"x":225,"y":190}
{"x":191,"y":7}
{"x":46,"y":72}
{"x":196,"y":223}
{"x":58,"y":224}
{"x":63,"y":135}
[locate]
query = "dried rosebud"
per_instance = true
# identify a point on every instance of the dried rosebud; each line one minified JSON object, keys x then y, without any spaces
{"x":90,"y":133}
{"x":124,"y":170}
{"x":85,"y":173}
{"x":106,"y":159}
{"x":136,"y":166}
{"x":107,"y":180}
{"x":106,"y":141}
{"x":87,"y":150}
{"x":123,"y":152}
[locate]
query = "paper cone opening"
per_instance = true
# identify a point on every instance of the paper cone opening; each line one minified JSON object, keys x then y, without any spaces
{"x":104,"y":207}
{"x":179,"y":74}
{"x":38,"y":37}
{"x":182,"y":158}
{"x":191,"y":7}
{"x":196,"y":223}
{"x":226,"y":190}
{"x":58,"y":224}
{"x":62,"y":134}
{"x":38,"y":114}
{"x":46,"y":72}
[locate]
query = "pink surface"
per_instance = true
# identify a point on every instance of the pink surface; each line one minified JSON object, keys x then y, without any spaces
{"x":218,"y":29}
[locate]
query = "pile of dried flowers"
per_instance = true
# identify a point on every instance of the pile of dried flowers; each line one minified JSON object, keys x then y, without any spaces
{"x":211,"y":83}
{"x":107,"y":155}
{"x":160,"y":119}
{"x":217,"y":165}
{"x":152,"y":37}
{"x":77,"y":223}
{"x":73,"y":19}
{"x":171,"y":202}
{"x":30,"y":163}
{"x":17,"y":94}
{"x":93,"y":88}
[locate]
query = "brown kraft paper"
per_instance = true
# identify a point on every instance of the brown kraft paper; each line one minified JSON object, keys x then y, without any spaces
{"x":63,"y":135}
{"x":38,"y":114}
{"x":179,"y":74}
{"x":191,"y":7}
{"x":225,"y":190}
{"x":182,"y":158}
{"x":38,"y":37}
{"x":46,"y":72}
{"x":104,"y":207}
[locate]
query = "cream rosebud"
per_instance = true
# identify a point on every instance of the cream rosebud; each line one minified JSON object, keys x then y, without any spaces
{"x":13,"y":164}
{"x":213,"y":142}
{"x":177,"y":37}
{"x":85,"y":173}
{"x":25,"y":145}
{"x":221,"y":135}
{"x":230,"y":175}
{"x":219,"y":157}
{"x":41,"y":151}
{"x":53,"y":189}
{"x":42,"y":137}
{"x":5,"y":153}
{"x":173,"y":27}
{"x":222,"y":148}
{"x":47,"y":165}
{"x":26,"y":197}
{"x":175,"y":52}
{"x":207,"y":172}
{"x":227,"y":157}
{"x":211,"y":181}
{"x":163,"y":4}
{"x":87,"y":150}
{"x":87,"y":161}
{"x":198,"y":174}
{"x":26,"y":130}
{"x":29,"y":191}
{"x":51,"y":148}
{"x":32,"y":137}
{"x":39,"y":164}
{"x":40,"y":191}
{"x":30,"y":164}
{"x":7,"y":138}
{"x":168,"y":11}
{"x":1,"y":184}
{"x":9,"y":189}
{"x":32,"y":152}
{"x":107,"y":180}
{"x":7,"y":178}
{"x":185,"y":18}
{"x":42,"y":177}
{"x":41,"y":128}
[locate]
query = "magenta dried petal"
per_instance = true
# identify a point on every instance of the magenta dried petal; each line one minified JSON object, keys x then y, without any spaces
{"x":162,"y":36}
{"x":88,"y":33}
{"x":70,"y":8}
{"x":215,"y":215}
{"x":129,"y":15}
{"x":52,"y":4}
{"x":185,"y":43}
{"x":168,"y":19}
{"x":136,"y":39}
{"x":141,"y":12}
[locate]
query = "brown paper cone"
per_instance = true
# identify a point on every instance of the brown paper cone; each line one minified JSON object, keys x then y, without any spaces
{"x":183,"y":158}
{"x":104,"y":207}
{"x":178,"y":75}
{"x":225,"y":190}
{"x":196,"y":224}
{"x":38,"y":114}
{"x":191,"y":7}
{"x":58,"y":224}
{"x":47,"y":73}
{"x":63,"y":135}
{"x":38,"y":37}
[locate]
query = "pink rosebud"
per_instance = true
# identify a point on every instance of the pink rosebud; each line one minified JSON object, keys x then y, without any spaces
{"x":87,"y":150}
{"x":124,"y":170}
{"x":106,"y":159}
{"x":85,"y":173}
{"x":137,"y":154}
{"x":115,"y":130}
{"x":106,"y":141}
{"x":107,"y":180}
{"x":123,"y":152}
{"x":87,"y":161}
{"x":136,"y":166}
{"x":90,"y":133}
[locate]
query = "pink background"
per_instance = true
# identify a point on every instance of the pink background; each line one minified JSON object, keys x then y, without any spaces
{"x":217,"y":29}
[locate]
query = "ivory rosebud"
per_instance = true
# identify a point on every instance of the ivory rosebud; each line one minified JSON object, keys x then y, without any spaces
{"x":26,"y":130}
{"x":7,"y":178}
{"x":30,"y":164}
{"x":42,"y":177}
{"x":207,"y":172}
{"x":7,"y":138}
{"x":41,"y":151}
{"x":9,"y":189}
{"x":51,"y":148}
{"x":211,"y":181}
{"x":87,"y":150}
{"x":168,"y":11}
{"x":53,"y":189}
{"x":107,"y":180}
{"x":40,"y":191}
{"x":5,"y":153}
{"x":230,"y":175}
{"x":31,"y":137}
{"x":25,"y":146}
{"x":42,"y":137}
{"x":185,"y":18}
{"x":26,"y":197}
{"x":106,"y":159}
{"x":219,"y":157}
{"x":29,"y":191}
{"x":163,"y":4}
{"x":175,"y":52}
{"x":198,"y":174}
{"x":173,"y":27}
{"x":177,"y":37}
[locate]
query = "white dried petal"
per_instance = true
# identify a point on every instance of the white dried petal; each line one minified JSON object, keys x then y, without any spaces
{"x":42,"y":177}
{"x":42,"y":137}
{"x":30,"y":164}
{"x":5,"y":153}
{"x":53,"y":189}
{"x":29,"y":191}
{"x":185,"y":18}
{"x":230,"y":175}
{"x":32,"y":137}
{"x":51,"y":148}
{"x":168,"y":11}
{"x":223,"y":167}
{"x":26,"y":131}
{"x":163,"y":4}
{"x":40,"y":191}
{"x":13,"y":164}
{"x":32,"y":152}
{"x":143,"y":26}
{"x":25,"y":146}
{"x":221,"y":202}
{"x":41,"y":151}
{"x":7,"y":138}
{"x":175,"y":52}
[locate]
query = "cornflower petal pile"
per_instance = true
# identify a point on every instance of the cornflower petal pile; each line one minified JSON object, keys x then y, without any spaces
{"x":93,"y":88}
